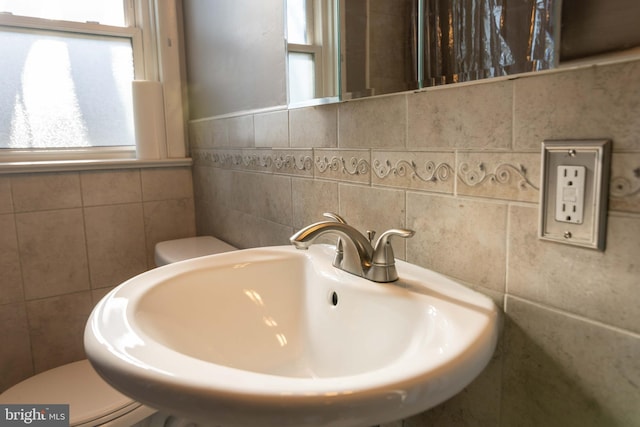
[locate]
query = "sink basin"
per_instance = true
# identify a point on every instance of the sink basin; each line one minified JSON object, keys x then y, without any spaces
{"x":279,"y":337}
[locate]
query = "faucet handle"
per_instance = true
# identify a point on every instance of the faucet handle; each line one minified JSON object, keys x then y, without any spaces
{"x":339,"y":248}
{"x":383,"y":251}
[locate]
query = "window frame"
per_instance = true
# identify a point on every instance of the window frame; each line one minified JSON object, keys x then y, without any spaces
{"x":145,"y":23}
{"x":322,"y":45}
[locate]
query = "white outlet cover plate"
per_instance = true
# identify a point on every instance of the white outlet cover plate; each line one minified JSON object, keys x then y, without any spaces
{"x":588,"y":228}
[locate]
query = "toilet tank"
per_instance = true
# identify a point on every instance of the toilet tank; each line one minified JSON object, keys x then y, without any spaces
{"x":171,"y":251}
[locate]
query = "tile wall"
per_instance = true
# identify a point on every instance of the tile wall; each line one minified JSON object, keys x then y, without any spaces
{"x":68,"y":238}
{"x":461,"y":166}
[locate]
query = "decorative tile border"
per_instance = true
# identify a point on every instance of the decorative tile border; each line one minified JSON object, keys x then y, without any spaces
{"x":293,"y":162}
{"x":349,"y":165}
{"x":501,"y":174}
{"x":624,"y":185}
{"x":429,"y":171}
{"x":505,"y":176}
{"x":352,"y":166}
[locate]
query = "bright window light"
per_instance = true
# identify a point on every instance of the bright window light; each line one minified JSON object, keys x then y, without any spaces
{"x":301,"y":77}
{"x":297,"y":31}
{"x":61,"y":90}
{"x":106,"y":12}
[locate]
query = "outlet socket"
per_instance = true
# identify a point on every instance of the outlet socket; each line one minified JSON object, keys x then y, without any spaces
{"x":574,"y":192}
{"x":570,"y":194}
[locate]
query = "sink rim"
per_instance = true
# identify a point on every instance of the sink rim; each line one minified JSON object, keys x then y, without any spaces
{"x":239,"y":380}
{"x":121,"y":363}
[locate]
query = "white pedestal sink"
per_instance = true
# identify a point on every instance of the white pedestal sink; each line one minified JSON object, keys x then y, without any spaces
{"x":278,"y":337}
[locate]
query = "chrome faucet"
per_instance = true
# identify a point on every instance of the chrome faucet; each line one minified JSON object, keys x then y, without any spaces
{"x":355,"y":253}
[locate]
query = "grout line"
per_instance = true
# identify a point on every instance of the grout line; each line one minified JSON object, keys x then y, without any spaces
{"x":574,"y":316}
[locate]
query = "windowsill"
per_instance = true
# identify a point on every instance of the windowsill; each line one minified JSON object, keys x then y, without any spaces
{"x":89,"y":165}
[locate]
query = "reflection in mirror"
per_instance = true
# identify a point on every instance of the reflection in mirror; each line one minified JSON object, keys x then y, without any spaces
{"x":312,"y":40}
{"x":379,"y":47}
{"x":389,"y":46}
{"x":475,"y":39}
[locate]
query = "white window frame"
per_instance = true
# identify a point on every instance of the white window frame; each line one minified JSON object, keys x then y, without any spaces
{"x":147,"y":22}
{"x":321,"y":33}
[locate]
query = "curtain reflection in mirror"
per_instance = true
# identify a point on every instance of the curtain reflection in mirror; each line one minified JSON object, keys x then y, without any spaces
{"x":474,"y":39}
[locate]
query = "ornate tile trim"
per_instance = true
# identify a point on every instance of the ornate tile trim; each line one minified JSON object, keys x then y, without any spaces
{"x":622,"y":187}
{"x":284,"y":162}
{"x":352,"y":166}
{"x":502,"y":174}
{"x":429,"y":173}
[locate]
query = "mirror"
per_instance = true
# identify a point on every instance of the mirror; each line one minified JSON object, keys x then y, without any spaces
{"x":346,"y":49}
{"x":312,"y":50}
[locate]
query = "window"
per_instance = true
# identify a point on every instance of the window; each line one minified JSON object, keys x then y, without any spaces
{"x":311,"y":40}
{"x":67,"y":68}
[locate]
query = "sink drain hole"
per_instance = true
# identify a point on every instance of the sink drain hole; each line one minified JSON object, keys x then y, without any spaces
{"x":333,"y":298}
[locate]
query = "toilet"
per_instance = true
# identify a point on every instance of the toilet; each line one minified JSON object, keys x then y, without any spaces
{"x":92,"y":402}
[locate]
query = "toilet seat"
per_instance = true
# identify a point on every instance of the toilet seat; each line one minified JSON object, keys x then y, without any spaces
{"x":91,"y":400}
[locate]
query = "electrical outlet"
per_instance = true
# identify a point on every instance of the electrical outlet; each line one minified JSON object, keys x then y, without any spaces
{"x":570,"y":194}
{"x":573,"y":192}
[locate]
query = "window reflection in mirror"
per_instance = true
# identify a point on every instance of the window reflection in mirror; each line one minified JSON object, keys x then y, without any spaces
{"x":312,"y":53}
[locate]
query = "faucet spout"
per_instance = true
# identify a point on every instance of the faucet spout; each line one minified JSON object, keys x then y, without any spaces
{"x":354,"y":252}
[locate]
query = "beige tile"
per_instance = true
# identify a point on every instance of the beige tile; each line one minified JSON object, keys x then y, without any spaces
{"x":314,"y":126}
{"x":272,"y":129}
{"x":57,"y":329}
{"x":241,"y":132}
{"x":462,"y":238}
{"x":115,"y":243}
{"x":624,"y":188}
{"x":510,"y":176}
{"x":596,"y":102}
{"x":216,"y":219}
{"x":166,"y":184}
{"x":417,"y":170}
{"x":10,"y":274}
{"x":167,"y":220}
{"x":600,"y":285}
{"x":52,"y":252}
{"x":98,"y":294}
{"x":312,"y":198}
{"x":343,"y":165}
{"x":15,"y":352}
{"x":6,"y":201}
{"x":560,"y":370}
{"x":293,"y":162}
{"x":46,"y":191}
{"x":217,"y":133}
{"x":111,"y":187}
{"x":263,"y":195}
{"x":372,"y":208}
{"x":476,"y":116}
{"x":373,"y":123}
{"x":253,"y":231}
{"x":203,"y":183}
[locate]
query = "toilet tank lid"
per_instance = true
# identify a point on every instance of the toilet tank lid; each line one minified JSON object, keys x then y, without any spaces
{"x":77,"y":384}
{"x":191,"y":247}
